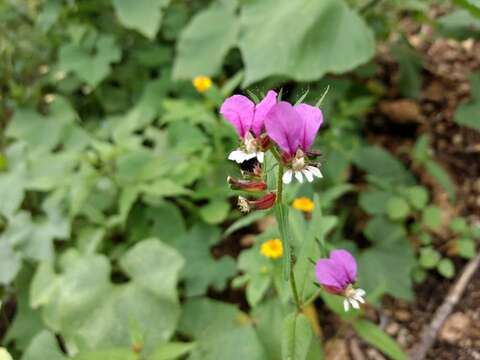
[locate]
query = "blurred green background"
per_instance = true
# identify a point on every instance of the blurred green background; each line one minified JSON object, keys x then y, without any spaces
{"x":119,"y":237}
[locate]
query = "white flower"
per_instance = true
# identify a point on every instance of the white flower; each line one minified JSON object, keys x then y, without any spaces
{"x":353,"y":297}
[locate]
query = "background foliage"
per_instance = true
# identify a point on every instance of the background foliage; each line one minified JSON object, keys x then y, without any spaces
{"x":112,"y":182}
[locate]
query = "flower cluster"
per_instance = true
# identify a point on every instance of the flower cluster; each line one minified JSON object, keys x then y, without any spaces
{"x":292,"y":128}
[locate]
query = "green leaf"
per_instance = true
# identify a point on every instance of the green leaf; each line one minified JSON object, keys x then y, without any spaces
{"x":205,"y":41}
{"x":381,"y":231}
{"x":459,"y":225}
{"x":446,"y":268}
{"x":142,"y":15}
{"x":215,"y":211}
{"x":110,"y":354}
{"x":471,"y":5}
{"x":388,"y":265}
{"x":429,"y":257}
{"x":467,"y":114}
{"x":44,"y":346}
{"x":374,"y":202}
{"x":10,"y":262}
{"x":297,"y":337}
{"x":373,"y":335}
{"x":171,"y":351}
{"x":344,"y":42}
{"x":417,"y":196}
{"x":410,"y":66}
{"x":466,"y":248}
{"x":378,"y":162}
{"x":442,"y":178}
{"x":221,"y":331}
{"x":91,"y":312}
{"x":397,"y":208}
{"x":244,"y":221}
{"x":432,"y":217}
{"x":202,"y":269}
{"x":90,"y":65}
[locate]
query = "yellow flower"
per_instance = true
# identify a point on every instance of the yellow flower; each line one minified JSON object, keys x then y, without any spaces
{"x":272,"y":248}
{"x":303,"y":204}
{"x":202,"y":83}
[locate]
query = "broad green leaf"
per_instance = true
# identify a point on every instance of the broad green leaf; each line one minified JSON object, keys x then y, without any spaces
{"x":268,"y":317}
{"x":44,"y":346}
{"x":446,"y":268}
{"x":432,"y":217}
{"x":202,"y":269}
{"x":379,"y":162}
{"x":467,"y":114}
{"x":373,"y":335}
{"x":297,"y":337}
{"x":442,"y":178}
{"x":92,"y":65}
{"x":466,"y":248}
{"x":171,"y":351}
{"x":459,"y":24}
{"x":387,"y":265}
{"x":269,"y":47}
{"x":459,"y":225}
{"x":111,"y":354}
{"x":417,"y":196}
{"x":381,"y":231}
{"x":91,"y":312}
{"x":205,"y":41}
{"x":471,"y":5}
{"x":397,"y":208}
{"x":215,"y":211}
{"x":142,"y":15}
{"x":257,"y":272}
{"x":10,"y":262}
{"x":374,"y":202}
{"x":155,"y":266}
{"x":429,"y":257}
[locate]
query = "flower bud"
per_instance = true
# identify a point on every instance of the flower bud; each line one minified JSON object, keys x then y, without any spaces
{"x":265,"y":202}
{"x":246,"y":185}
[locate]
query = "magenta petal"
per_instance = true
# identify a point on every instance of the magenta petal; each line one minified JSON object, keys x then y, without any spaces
{"x":330,"y":275}
{"x":284,"y":126}
{"x":312,"y":119}
{"x":239,"y":110}
{"x":261,"y":111}
{"x":347,"y":262}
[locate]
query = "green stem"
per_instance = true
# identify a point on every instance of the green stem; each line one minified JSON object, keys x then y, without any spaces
{"x":282,"y":219}
{"x":293,"y":285}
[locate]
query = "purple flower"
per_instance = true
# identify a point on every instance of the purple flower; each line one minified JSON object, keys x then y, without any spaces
{"x":337,"y":275}
{"x":293,"y":128}
{"x":248,"y":120}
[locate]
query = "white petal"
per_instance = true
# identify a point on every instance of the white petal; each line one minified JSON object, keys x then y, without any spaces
{"x":360,"y":292}
{"x":346,"y":305}
{"x":359,"y":298}
{"x":287,"y":177}
{"x":308,"y":175}
{"x":240,"y":156}
{"x":354,"y":303}
{"x":260,"y":156}
{"x":298,"y":176}
{"x":315,"y":171}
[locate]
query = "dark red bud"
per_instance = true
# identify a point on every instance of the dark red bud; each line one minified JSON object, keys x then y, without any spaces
{"x":246,"y":185}
{"x":264,"y":203}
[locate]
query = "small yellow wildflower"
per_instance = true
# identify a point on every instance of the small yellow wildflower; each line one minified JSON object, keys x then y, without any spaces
{"x":202,"y":83}
{"x":303,"y":204}
{"x":272,"y":248}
